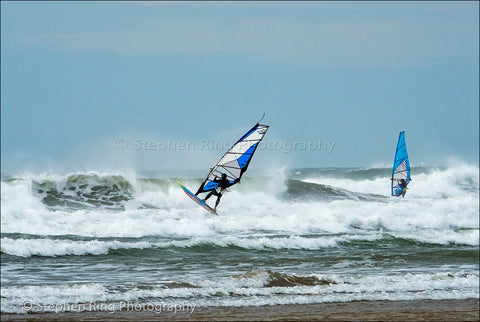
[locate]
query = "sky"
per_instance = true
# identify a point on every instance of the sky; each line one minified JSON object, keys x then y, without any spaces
{"x":159,"y":86}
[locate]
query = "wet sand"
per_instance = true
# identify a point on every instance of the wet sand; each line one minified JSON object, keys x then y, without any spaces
{"x":424,"y":310}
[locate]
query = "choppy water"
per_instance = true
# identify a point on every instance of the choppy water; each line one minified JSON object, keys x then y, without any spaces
{"x":288,"y":236}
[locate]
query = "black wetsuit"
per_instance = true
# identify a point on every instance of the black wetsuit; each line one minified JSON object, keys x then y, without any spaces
{"x":223,"y":184}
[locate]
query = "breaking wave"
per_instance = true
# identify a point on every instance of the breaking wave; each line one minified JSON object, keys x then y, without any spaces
{"x":114,"y":191}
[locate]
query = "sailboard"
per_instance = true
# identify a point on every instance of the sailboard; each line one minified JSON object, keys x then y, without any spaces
{"x":196,"y":199}
{"x":234,"y":162}
{"x":401,"y":167}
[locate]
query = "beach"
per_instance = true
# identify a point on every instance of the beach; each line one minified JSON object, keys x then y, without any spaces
{"x":424,"y":310}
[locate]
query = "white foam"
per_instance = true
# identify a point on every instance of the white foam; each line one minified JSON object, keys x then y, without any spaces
{"x":257,"y":204}
{"x":436,"y":183}
{"x":59,"y":247}
{"x":24,"y":247}
{"x":251,"y":289}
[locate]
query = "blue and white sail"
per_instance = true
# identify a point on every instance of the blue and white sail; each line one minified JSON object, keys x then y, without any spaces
{"x":401,"y":166}
{"x":235,"y":161}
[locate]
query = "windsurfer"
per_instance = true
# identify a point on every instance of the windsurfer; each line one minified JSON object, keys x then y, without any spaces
{"x":222,"y":184}
{"x":403,"y":186}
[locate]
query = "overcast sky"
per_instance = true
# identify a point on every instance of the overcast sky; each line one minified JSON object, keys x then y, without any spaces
{"x":169,"y":85}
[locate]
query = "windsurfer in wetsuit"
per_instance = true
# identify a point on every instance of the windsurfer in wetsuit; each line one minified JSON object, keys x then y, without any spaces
{"x":403,"y":185}
{"x":222,"y":184}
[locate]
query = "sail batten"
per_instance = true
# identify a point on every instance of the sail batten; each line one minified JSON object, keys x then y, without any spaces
{"x":236,"y":160}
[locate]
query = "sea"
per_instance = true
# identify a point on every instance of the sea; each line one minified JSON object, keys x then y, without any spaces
{"x":87,"y":241}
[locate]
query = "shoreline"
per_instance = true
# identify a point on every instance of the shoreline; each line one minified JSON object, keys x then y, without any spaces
{"x":414,"y":310}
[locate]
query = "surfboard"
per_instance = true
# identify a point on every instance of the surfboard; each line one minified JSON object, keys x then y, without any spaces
{"x":196,"y":199}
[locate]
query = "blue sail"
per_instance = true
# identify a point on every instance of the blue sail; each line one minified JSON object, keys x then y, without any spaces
{"x":235,"y":161}
{"x":401,"y":167}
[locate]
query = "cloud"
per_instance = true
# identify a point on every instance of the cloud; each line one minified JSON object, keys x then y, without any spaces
{"x":360,"y":43}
